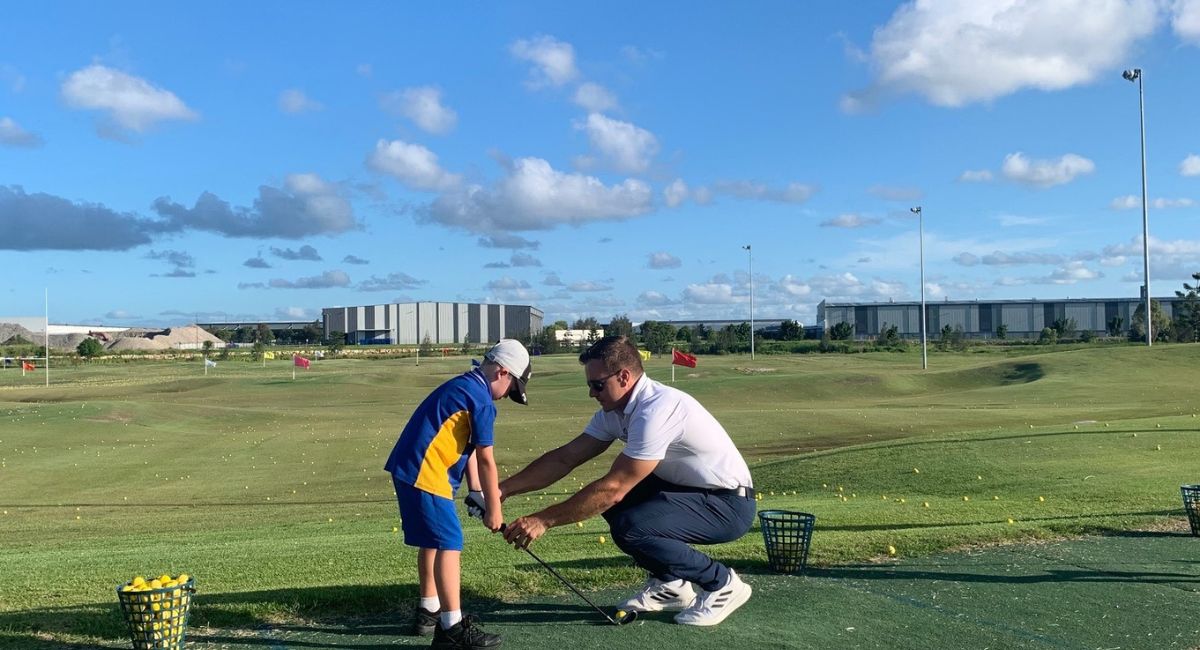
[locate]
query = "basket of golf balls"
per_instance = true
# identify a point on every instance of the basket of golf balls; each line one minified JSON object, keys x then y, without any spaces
{"x":156,"y":610}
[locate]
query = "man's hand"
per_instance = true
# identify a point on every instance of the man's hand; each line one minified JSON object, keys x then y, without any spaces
{"x":475,"y":504}
{"x":523,"y":530}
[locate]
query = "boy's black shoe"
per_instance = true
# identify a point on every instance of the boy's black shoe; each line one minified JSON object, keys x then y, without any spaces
{"x":424,"y":622}
{"x":465,"y":635}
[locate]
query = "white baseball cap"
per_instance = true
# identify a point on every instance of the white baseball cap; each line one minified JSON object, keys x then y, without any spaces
{"x":513,"y":356}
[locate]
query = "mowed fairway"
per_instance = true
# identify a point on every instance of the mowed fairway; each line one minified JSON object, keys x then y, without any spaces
{"x":271,"y":491}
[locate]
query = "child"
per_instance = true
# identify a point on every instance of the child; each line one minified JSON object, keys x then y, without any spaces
{"x":427,"y":466}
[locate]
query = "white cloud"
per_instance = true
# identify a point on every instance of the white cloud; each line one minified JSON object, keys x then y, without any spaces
{"x":131,"y":102}
{"x":791,"y":193}
{"x":594,"y":98}
{"x":627,"y":146}
{"x":295,"y":101}
{"x":393,"y":282}
{"x":653,"y":299}
{"x":1185,"y":20}
{"x":663,"y":260}
{"x":423,"y":105}
{"x":895,"y":193}
{"x":414,"y":165}
{"x":1190,"y":166}
{"x":955,"y":53}
{"x":293,"y":313}
{"x":535,"y":196}
{"x":364,"y":70}
{"x":975,"y":176}
{"x":1009,"y":220}
{"x":1045,"y":173}
{"x":710,"y":294}
{"x":306,"y":205}
{"x":966,"y":259}
{"x":849,"y":220}
{"x":553,"y":60}
{"x":1127,"y":202}
{"x":675,"y":193}
{"x":588,"y":286}
{"x":326,"y":280}
{"x":1166,"y":204}
{"x":1071,"y":273}
{"x":13,"y":135}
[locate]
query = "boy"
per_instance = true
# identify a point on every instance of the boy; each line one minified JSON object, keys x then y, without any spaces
{"x":427,"y":466}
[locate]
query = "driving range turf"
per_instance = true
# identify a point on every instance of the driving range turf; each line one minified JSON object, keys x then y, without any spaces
{"x":270,"y":492}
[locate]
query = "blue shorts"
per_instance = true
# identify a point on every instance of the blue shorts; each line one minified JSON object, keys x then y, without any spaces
{"x":428,"y":521}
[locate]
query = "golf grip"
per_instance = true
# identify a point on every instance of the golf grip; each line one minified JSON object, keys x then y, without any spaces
{"x":564,"y":581}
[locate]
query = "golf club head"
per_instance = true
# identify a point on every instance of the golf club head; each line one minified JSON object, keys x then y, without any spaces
{"x":623,"y":617}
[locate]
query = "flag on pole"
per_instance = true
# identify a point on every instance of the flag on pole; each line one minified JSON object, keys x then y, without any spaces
{"x":682,"y":359}
{"x":300,"y":361}
{"x":645,"y":354}
{"x":269,"y":355}
{"x":209,"y":363}
{"x":25,"y":365}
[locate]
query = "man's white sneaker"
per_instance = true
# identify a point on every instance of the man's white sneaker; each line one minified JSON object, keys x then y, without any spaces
{"x":712,"y":607}
{"x":659,"y":596}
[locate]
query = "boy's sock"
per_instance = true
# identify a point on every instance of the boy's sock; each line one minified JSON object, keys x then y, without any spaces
{"x":431,"y":604}
{"x":450,"y":619}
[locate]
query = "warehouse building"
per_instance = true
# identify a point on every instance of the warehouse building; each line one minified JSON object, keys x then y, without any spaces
{"x":982,"y":318}
{"x":442,"y":323}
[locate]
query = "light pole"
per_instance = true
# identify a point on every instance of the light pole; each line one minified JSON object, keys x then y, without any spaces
{"x":921,"y":245}
{"x":750,"y":253}
{"x":1136,"y":75}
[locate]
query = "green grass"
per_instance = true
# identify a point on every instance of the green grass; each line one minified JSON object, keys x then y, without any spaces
{"x":271,"y":491}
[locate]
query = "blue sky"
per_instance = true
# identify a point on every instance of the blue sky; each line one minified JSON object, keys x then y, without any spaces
{"x":162,"y":162}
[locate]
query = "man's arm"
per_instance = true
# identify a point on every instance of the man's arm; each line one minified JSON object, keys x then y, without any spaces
{"x":595,"y":498}
{"x":553,"y":465}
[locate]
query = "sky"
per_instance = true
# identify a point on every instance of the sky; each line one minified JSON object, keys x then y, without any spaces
{"x":162,"y":163}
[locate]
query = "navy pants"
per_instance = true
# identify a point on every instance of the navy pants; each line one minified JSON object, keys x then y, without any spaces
{"x":657,"y":522}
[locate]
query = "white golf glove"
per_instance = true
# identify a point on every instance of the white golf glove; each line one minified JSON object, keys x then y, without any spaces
{"x":475,"y":504}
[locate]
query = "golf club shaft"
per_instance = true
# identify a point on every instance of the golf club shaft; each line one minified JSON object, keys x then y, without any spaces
{"x":567,"y":583}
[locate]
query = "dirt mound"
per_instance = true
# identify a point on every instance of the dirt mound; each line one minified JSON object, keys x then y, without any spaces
{"x":136,"y":343}
{"x":12,"y":330}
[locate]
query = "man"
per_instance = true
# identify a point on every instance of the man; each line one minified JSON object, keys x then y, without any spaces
{"x":679,"y":481}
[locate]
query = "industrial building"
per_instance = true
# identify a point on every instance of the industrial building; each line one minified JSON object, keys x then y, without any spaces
{"x":982,"y":318}
{"x":442,"y":323}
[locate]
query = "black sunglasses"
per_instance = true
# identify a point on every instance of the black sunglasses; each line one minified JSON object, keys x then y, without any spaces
{"x":598,"y":384}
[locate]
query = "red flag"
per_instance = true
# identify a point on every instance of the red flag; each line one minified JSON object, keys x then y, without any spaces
{"x":300,"y":361}
{"x":25,"y":365}
{"x":683,"y":359}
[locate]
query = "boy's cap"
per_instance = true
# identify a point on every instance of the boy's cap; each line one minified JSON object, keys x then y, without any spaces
{"x":515,"y":358}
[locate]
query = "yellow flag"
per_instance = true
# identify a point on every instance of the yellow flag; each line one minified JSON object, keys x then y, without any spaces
{"x":645,"y":354}
{"x":269,"y":355}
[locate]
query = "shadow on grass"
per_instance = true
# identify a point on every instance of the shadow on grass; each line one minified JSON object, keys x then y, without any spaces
{"x":1048,"y":575}
{"x":244,"y":618}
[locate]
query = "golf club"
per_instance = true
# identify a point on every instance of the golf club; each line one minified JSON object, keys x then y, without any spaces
{"x":623,"y":617}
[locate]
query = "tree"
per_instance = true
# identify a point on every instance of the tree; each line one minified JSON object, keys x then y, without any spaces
{"x":701,"y":332}
{"x":335,"y":342}
{"x":1160,"y":321}
{"x":243,"y":334}
{"x":1002,"y":331}
{"x":890,"y":337}
{"x":207,"y":346}
{"x":547,"y":340}
{"x":843,"y":331}
{"x":427,"y":345}
{"x":465,"y":348}
{"x":264,"y":335}
{"x":312,"y":332}
{"x":684,"y":334}
{"x":89,"y":348}
{"x":1064,"y":327}
{"x":790,"y":330}
{"x":1049,"y":336}
{"x":256,"y":350}
{"x":657,"y":336}
{"x":1115,"y":326}
{"x":620,"y":325}
{"x":1187,"y":312}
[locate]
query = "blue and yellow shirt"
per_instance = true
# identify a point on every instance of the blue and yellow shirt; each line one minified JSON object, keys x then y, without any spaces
{"x":432,"y":451}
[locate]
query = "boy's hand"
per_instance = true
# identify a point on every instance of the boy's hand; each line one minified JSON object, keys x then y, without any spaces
{"x":475,"y":504}
{"x":494,"y":521}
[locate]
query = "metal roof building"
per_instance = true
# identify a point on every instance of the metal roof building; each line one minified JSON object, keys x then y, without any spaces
{"x":410,"y":323}
{"x":982,"y":318}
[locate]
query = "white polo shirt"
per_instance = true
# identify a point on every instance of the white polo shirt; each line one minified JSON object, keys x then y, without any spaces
{"x":668,"y":425}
